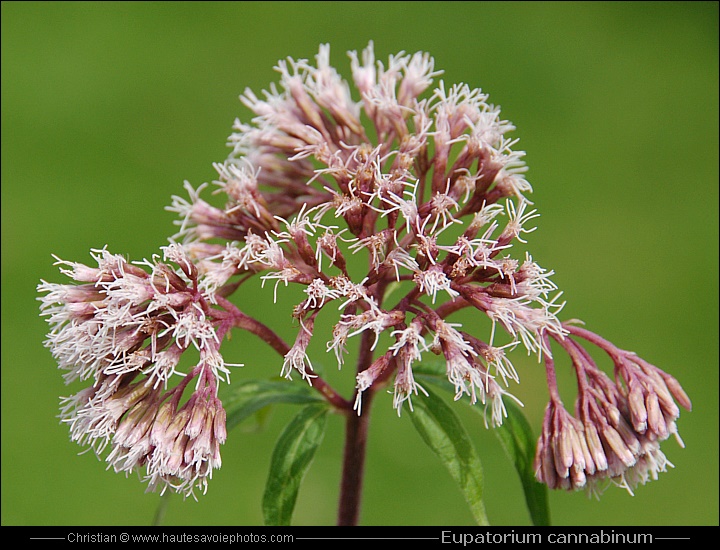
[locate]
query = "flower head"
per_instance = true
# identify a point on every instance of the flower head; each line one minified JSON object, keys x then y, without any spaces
{"x":611,"y":439}
{"x":125,"y":329}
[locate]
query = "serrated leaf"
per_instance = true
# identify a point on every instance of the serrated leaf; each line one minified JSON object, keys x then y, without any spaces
{"x":518,"y":442}
{"x":246,"y":398}
{"x":290,"y":461}
{"x":442,"y":431}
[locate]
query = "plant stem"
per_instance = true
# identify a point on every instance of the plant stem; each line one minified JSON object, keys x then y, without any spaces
{"x":245,"y":322}
{"x":356,"y":428}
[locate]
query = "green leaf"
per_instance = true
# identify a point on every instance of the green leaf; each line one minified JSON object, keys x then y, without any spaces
{"x":441,"y":430}
{"x":517,"y":440}
{"x":516,"y":437}
{"x":290,"y":461}
{"x":431,"y":369}
{"x":246,"y":398}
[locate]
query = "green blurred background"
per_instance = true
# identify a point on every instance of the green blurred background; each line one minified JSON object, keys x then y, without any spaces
{"x":108,"y":107}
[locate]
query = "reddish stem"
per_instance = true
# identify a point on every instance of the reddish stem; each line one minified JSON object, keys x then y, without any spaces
{"x":356,"y":430}
{"x":551,"y":376}
{"x":245,"y":322}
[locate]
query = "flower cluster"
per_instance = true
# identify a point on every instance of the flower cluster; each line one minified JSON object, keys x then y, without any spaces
{"x":126,"y":329}
{"x":394,"y":188}
{"x":419,"y":186}
{"x":615,"y":434}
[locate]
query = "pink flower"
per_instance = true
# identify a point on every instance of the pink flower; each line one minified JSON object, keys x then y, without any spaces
{"x":391,"y":202}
